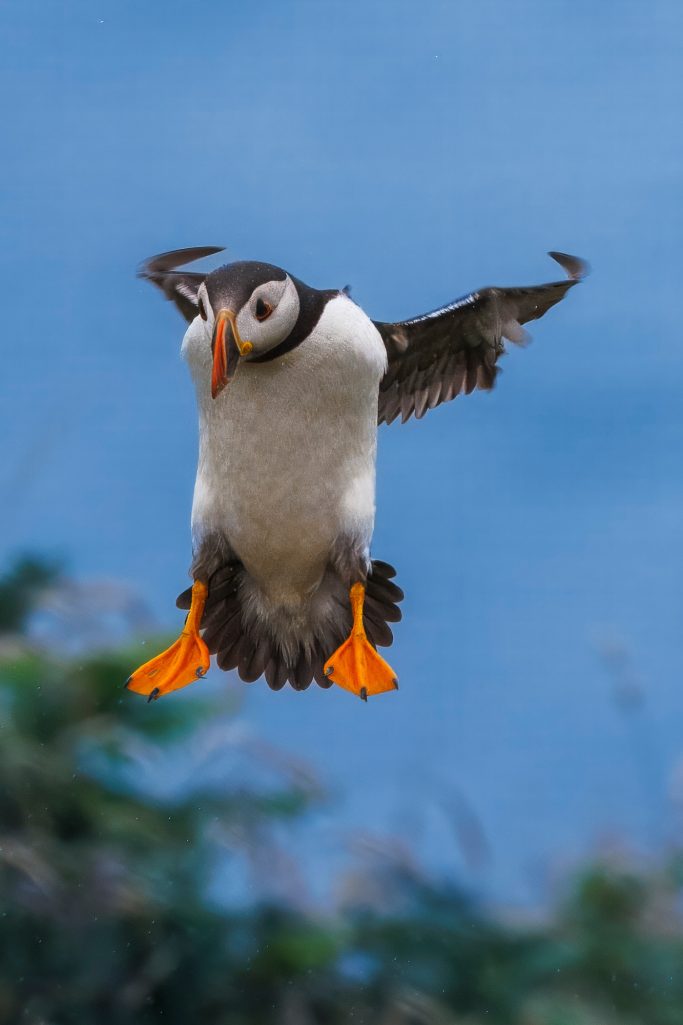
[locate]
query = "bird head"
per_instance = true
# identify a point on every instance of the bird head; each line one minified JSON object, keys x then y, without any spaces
{"x":250,"y":309}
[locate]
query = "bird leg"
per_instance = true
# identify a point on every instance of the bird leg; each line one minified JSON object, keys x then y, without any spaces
{"x":184,"y":662}
{"x":355,"y":665}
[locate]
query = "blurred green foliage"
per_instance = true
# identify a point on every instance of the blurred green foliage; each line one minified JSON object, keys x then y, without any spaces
{"x":107,"y":914}
{"x":21,"y":586}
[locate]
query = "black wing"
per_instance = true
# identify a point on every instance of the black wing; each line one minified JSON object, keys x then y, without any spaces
{"x":455,"y":349}
{"x":180,"y":286}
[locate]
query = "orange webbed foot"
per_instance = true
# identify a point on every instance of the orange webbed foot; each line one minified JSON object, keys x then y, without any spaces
{"x":355,"y":665}
{"x":185,"y":661}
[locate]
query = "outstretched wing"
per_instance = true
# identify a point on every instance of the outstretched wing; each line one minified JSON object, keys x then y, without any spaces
{"x":180,"y":286}
{"x":455,"y":349}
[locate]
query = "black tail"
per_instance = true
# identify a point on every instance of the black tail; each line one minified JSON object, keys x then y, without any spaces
{"x":245,"y":643}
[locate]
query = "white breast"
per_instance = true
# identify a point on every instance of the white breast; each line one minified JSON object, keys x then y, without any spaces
{"x":287,"y":451}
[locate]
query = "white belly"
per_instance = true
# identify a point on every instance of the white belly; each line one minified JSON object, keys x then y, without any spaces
{"x":287,"y":451}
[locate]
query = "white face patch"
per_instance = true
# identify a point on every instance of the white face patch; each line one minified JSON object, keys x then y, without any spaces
{"x":281,"y":300}
{"x":205,"y":305}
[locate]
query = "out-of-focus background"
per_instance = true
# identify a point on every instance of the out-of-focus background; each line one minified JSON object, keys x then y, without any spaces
{"x":500,"y":841}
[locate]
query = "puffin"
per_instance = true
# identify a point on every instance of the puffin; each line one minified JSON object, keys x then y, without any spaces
{"x":291,"y":384}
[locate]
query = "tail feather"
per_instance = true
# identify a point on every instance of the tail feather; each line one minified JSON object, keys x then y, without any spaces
{"x":379,"y":633}
{"x":319,"y":676}
{"x":253,"y":661}
{"x":242,"y":640}
{"x":383,"y":570}
{"x":276,"y":673}
{"x":383,"y":589}
{"x":222,"y":635}
{"x":388,"y":612}
{"x":301,"y":675}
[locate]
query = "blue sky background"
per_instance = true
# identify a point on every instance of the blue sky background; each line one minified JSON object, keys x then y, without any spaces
{"x":414,"y":151}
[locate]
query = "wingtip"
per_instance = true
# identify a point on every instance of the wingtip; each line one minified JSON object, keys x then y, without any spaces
{"x":575,"y":268}
{"x":174,"y":258}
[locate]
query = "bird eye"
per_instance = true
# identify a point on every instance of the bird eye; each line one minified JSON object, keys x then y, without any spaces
{"x":263,"y":309}
{"x":202,"y":311}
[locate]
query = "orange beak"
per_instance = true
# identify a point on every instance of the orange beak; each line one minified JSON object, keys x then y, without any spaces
{"x":227,"y":347}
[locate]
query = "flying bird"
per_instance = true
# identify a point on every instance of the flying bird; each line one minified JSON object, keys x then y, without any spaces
{"x":291,"y":384}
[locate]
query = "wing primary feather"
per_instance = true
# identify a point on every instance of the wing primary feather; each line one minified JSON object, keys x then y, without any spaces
{"x":180,"y":286}
{"x":575,"y":268}
{"x":174,"y":258}
{"x":450,"y":351}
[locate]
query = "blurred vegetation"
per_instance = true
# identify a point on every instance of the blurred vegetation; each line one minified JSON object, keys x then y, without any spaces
{"x":108,"y":907}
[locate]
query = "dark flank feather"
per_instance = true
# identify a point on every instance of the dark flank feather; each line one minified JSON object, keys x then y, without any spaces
{"x":179,"y":286}
{"x":249,"y":648}
{"x":455,"y":349}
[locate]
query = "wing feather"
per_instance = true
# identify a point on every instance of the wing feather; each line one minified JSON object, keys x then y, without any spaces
{"x":180,"y":286}
{"x":455,"y":349}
